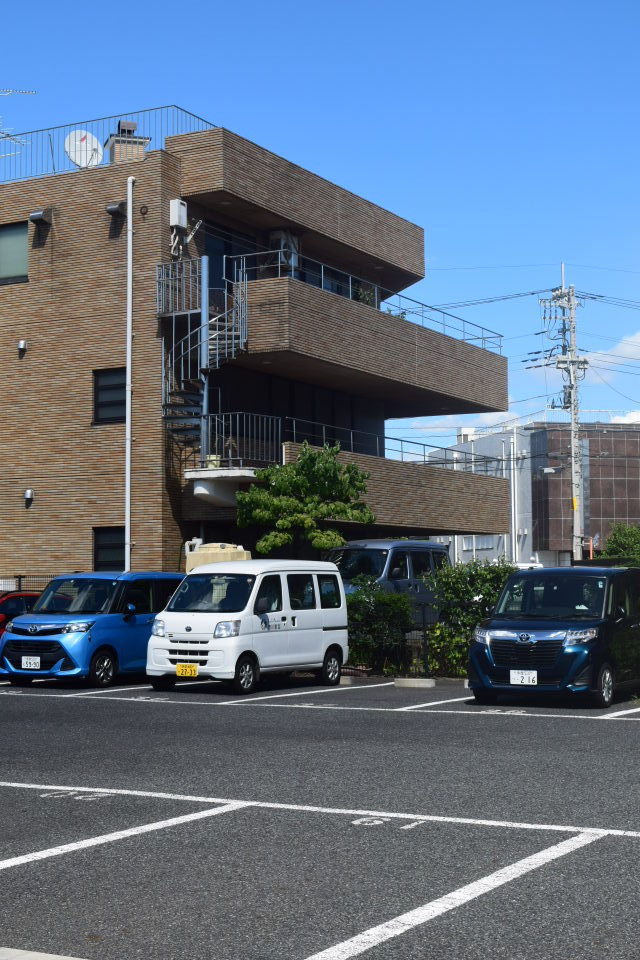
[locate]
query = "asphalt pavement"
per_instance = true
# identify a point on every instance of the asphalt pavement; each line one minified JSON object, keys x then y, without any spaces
{"x":314,"y":823}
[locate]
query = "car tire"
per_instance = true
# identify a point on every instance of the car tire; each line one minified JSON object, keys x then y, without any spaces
{"x":331,"y":670}
{"x":246,"y":677}
{"x":484,"y":696}
{"x":103,"y":669}
{"x":165,"y":683}
{"x":604,"y":691}
{"x":20,"y":681}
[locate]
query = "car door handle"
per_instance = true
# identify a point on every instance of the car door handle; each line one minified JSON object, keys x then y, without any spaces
{"x":294,"y":621}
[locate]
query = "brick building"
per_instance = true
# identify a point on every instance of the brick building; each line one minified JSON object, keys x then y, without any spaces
{"x":266,"y":308}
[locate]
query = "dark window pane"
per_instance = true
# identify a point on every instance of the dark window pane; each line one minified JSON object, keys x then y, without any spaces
{"x":140,"y":594}
{"x":164,"y":590}
{"x":108,"y":548}
{"x":270,"y":590}
{"x":329,"y":591}
{"x":13,"y":251}
{"x":301,"y":593}
{"x":109,"y":395}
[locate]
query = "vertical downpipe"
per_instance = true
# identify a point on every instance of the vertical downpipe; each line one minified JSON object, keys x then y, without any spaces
{"x":128,"y":386}
{"x":204,"y":359}
{"x":514,"y":506}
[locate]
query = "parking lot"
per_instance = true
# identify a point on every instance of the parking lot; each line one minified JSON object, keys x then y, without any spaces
{"x":316,"y":823}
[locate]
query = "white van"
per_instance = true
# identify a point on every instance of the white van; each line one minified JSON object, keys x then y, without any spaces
{"x":235,"y":621}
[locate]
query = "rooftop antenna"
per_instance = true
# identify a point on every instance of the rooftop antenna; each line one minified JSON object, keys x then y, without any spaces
{"x":4,"y":132}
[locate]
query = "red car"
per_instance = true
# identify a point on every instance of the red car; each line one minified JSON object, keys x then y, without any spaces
{"x":13,"y":603}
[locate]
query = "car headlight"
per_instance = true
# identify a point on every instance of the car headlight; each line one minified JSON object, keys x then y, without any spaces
{"x":78,"y":626}
{"x":157,"y":630}
{"x":9,"y":627}
{"x":481,"y":635}
{"x":227,"y":628}
{"x":580,"y":636}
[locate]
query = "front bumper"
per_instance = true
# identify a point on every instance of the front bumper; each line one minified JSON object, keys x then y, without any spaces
{"x":571,"y":670}
{"x":56,"y":659}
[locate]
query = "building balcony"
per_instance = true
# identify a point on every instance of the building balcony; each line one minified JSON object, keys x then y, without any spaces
{"x":412,"y":486}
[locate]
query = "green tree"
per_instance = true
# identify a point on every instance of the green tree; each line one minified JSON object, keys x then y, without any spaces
{"x":623,"y":542}
{"x":295,"y":501}
{"x":465,"y":593}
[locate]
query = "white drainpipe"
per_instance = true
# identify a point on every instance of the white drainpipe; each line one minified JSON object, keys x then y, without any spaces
{"x":128,"y":390}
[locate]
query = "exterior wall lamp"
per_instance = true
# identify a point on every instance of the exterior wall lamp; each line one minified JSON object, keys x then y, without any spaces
{"x":22,"y":348}
{"x":42,"y":220}
{"x":28,"y":498}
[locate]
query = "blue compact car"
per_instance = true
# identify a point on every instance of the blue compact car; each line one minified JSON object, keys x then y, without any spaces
{"x":565,"y":629}
{"x":93,"y":625}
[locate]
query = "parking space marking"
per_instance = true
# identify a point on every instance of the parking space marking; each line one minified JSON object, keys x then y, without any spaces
{"x":413,"y":918}
{"x":119,"y":835}
{"x":619,"y":713}
{"x":341,"y":811}
{"x":434,"y":703}
{"x":141,"y":686}
{"x":302,"y":693}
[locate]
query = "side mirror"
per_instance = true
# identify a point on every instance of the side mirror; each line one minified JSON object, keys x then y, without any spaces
{"x":396,"y":573}
{"x":262,"y":605}
{"x":619,"y":613}
{"x":130,"y":611}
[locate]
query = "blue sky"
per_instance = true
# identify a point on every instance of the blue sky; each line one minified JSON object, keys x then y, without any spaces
{"x":509,"y":131}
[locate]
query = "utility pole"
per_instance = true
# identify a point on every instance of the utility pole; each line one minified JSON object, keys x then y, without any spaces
{"x":560,"y":312}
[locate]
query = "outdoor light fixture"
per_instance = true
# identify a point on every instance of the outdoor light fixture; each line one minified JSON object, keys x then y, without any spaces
{"x":28,"y":497}
{"x":22,"y":348}
{"x":117,"y":209}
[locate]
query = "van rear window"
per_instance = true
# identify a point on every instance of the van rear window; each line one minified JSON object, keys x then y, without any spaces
{"x":212,"y":593}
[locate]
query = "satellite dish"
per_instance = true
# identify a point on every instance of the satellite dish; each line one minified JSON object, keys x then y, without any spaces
{"x":83,"y":149}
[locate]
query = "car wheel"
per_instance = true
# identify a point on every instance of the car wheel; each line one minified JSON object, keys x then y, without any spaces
{"x":162,"y":683}
{"x":104,"y":668}
{"x":20,"y":681}
{"x":484,"y":696}
{"x":605,"y":686}
{"x":246,"y":676}
{"x":331,"y":669}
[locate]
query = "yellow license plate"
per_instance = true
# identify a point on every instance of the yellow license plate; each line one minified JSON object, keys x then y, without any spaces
{"x":186,"y":670}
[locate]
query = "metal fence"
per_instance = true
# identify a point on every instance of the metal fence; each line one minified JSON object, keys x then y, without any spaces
{"x":274,"y":264}
{"x":254,"y":440}
{"x":25,"y":581}
{"x":92,"y":143}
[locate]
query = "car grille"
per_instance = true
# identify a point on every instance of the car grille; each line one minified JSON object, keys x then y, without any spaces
{"x":50,"y":653}
{"x":44,"y":632}
{"x":508,"y":653}
{"x":188,"y":655}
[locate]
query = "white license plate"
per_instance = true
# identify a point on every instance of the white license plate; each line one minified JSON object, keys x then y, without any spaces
{"x":31,"y":663}
{"x":527,"y":678}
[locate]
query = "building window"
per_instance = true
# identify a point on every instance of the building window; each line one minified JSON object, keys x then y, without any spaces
{"x":109,"y":395}
{"x":108,"y":548}
{"x":13,"y":253}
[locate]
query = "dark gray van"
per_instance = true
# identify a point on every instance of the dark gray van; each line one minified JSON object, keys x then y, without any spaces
{"x":398,"y":565}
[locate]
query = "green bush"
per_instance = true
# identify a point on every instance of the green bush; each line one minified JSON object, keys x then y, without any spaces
{"x":465,"y":594}
{"x":378,"y":624}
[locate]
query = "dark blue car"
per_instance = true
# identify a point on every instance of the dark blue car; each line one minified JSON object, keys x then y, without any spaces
{"x":93,"y":625}
{"x":565,"y":629}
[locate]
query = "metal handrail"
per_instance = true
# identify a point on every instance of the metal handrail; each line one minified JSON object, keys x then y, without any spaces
{"x":276,"y":264}
{"x":41,"y":153}
{"x":251,"y":439}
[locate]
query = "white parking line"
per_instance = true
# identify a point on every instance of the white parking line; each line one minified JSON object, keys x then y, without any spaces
{"x":433,"y":703}
{"x":141,"y":686}
{"x":118,"y":835}
{"x":471,"y":891}
{"x":618,"y":713}
{"x":302,"y":693}
{"x":341,"y":811}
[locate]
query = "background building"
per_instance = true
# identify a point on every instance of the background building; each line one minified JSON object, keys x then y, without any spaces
{"x":267,"y":308}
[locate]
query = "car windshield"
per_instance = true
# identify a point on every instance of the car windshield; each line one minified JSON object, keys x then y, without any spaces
{"x":359,"y":562}
{"x":212,"y":593}
{"x":552,"y":596}
{"x":76,"y":595}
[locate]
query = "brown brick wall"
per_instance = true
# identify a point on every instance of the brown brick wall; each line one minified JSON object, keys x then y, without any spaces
{"x":72,"y":314}
{"x":416,"y":369}
{"x":417,"y":498}
{"x":220,"y":160}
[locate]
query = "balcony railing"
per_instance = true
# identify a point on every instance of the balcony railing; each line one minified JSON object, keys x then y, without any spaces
{"x":92,"y":143}
{"x":288,"y":263}
{"x":255,"y":440}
